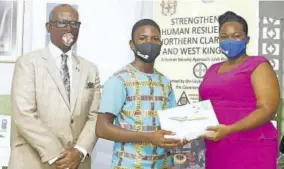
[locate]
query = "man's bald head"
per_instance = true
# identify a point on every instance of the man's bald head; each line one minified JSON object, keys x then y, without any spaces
{"x":63,"y":26}
{"x":59,"y":10}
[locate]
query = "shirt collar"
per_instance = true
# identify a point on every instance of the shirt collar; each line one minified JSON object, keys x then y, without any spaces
{"x":56,"y":52}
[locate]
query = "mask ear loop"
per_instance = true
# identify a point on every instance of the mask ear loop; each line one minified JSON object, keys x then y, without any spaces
{"x":246,"y":39}
{"x":135,"y":50}
{"x":135,"y":46}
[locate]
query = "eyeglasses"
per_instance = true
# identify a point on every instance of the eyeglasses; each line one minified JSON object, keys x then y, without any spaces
{"x":64,"y":24}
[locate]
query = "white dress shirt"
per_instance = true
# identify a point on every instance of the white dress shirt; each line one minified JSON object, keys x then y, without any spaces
{"x":56,"y":53}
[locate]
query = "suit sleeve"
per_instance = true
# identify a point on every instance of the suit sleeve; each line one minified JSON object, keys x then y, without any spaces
{"x":25,"y":115}
{"x":88,"y":138}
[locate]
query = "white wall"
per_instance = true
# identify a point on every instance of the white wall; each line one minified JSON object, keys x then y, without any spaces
{"x":6,"y":73}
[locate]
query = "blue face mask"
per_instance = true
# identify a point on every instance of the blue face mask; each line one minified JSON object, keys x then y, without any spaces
{"x":233,"y":48}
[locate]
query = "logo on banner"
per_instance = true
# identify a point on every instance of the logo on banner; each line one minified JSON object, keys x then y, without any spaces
{"x":183,"y":100}
{"x":169,"y":7}
{"x":199,"y":70}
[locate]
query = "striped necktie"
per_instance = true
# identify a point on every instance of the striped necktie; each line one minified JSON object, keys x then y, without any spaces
{"x":65,"y":74}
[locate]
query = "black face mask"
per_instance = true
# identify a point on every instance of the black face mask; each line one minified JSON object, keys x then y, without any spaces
{"x":147,"y":52}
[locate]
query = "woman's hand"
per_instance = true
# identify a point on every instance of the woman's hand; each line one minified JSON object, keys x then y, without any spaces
{"x":216,"y":133}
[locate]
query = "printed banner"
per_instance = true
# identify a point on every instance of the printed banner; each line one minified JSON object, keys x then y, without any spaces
{"x":190,"y":32}
{"x":190,"y":39}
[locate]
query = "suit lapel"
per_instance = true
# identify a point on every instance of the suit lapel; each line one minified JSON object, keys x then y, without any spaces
{"x":55,"y":74}
{"x":77,"y":71}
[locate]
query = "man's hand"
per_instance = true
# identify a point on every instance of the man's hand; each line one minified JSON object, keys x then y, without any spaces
{"x":158,"y":138}
{"x":69,"y":159}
